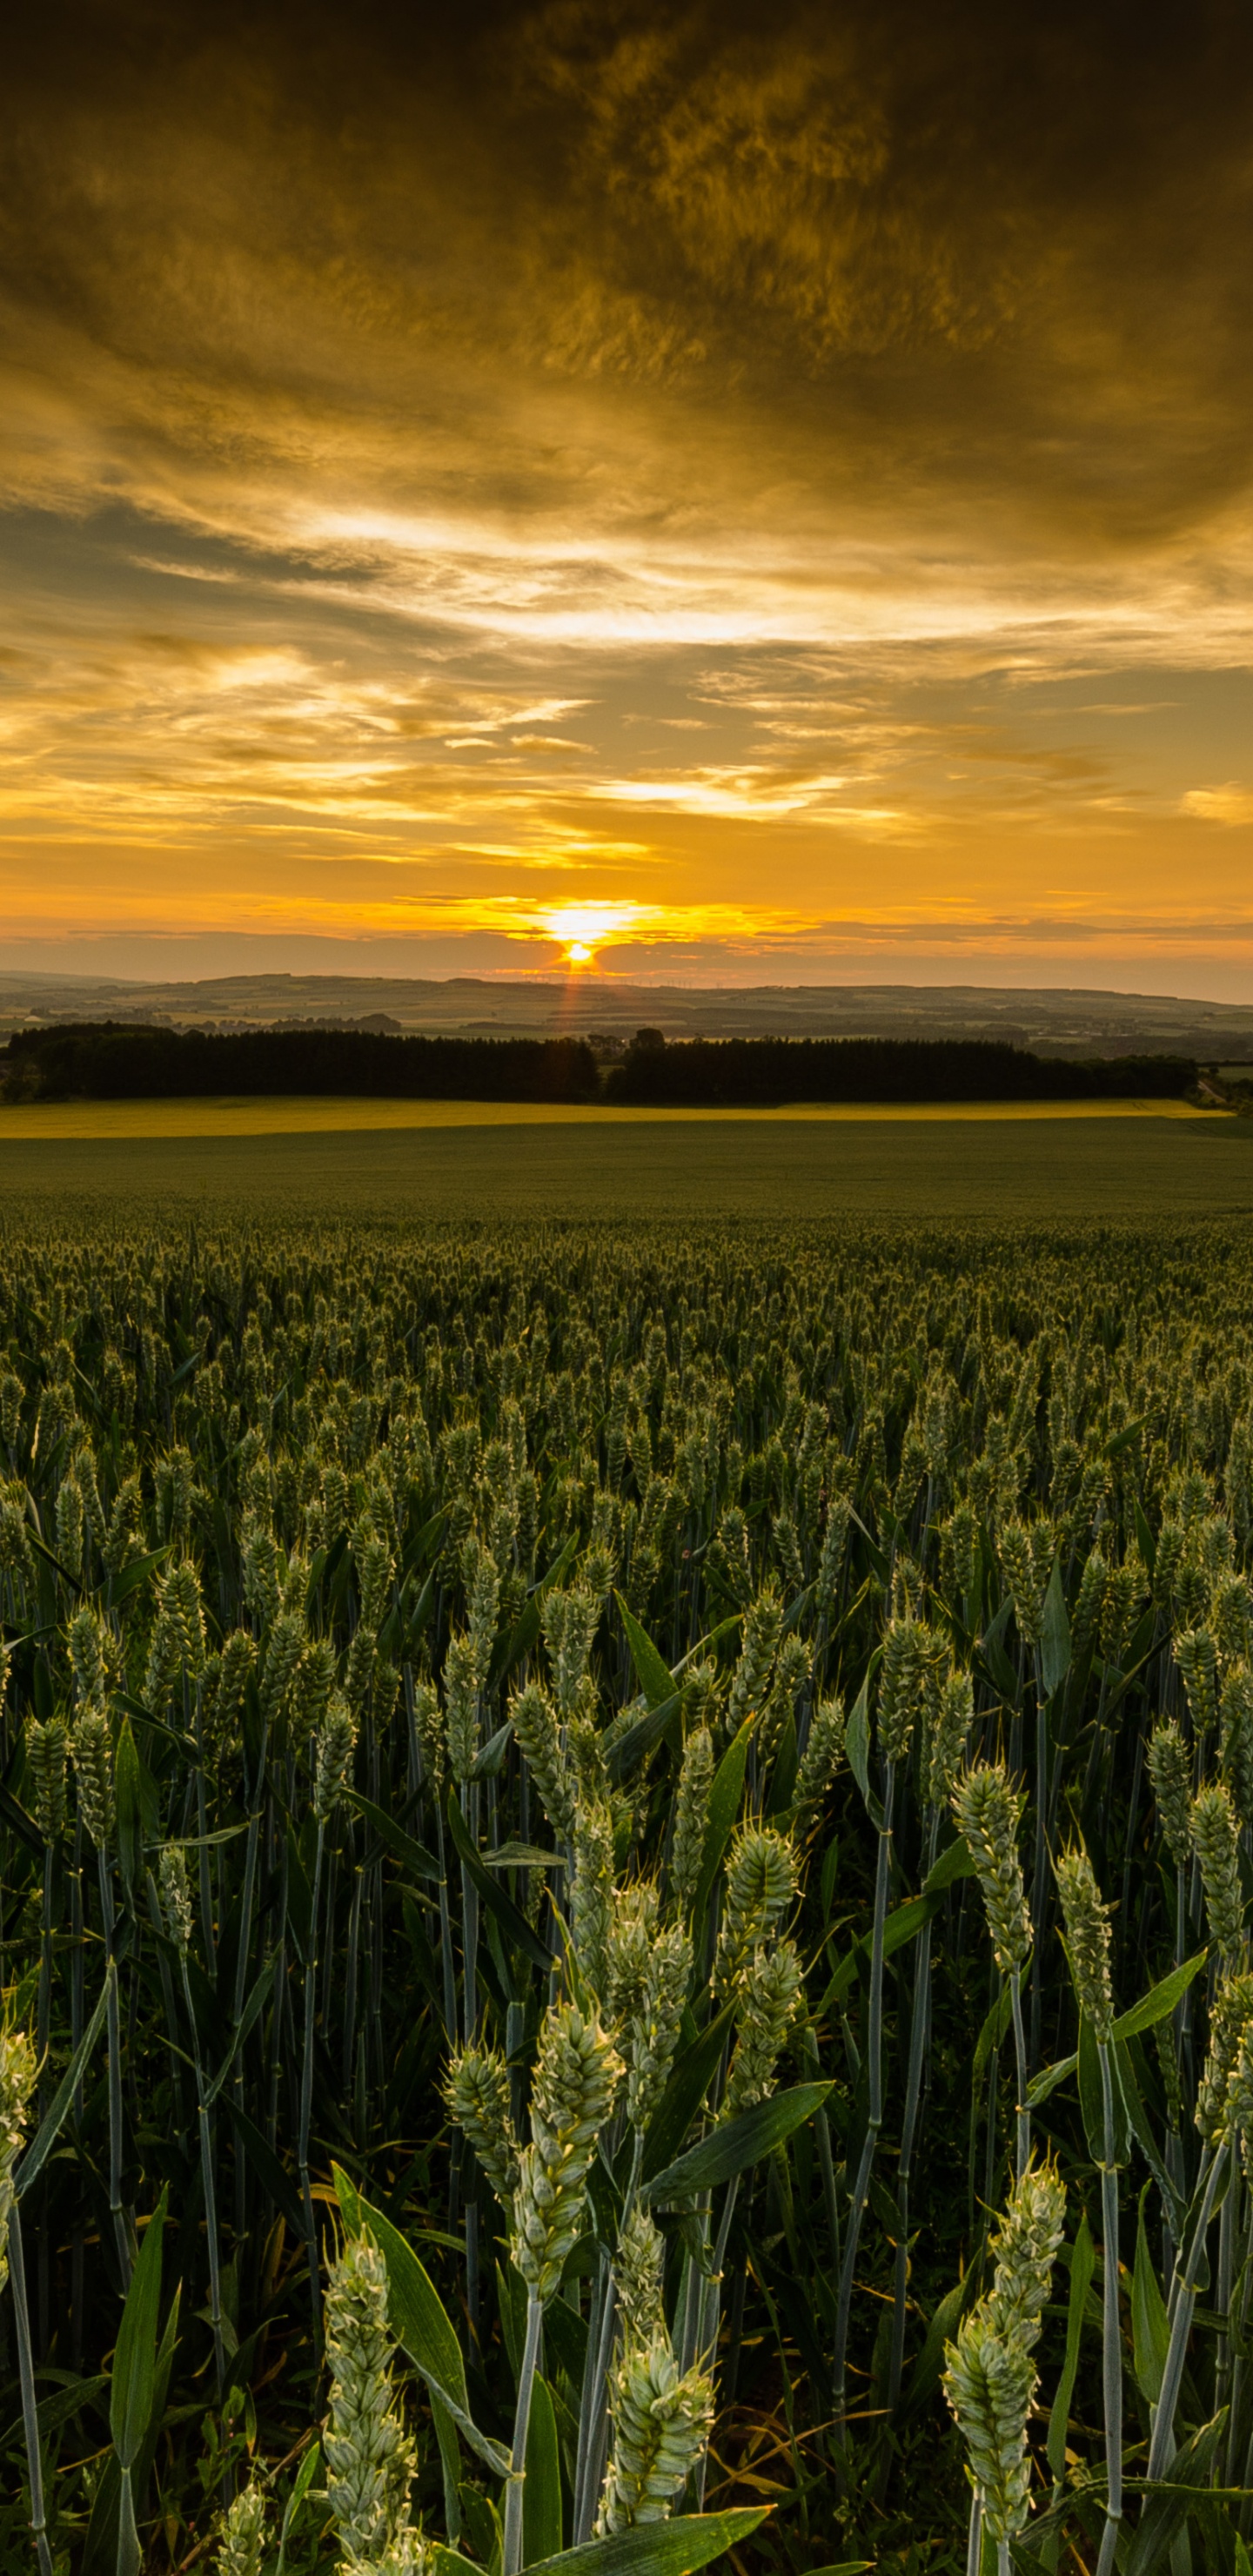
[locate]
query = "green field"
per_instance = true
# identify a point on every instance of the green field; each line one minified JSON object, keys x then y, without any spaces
{"x":902,"y":1171}
{"x":626,"y":1846}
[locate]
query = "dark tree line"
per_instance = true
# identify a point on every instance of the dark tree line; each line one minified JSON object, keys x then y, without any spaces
{"x":102,"y":1061}
{"x":768,"y":1072}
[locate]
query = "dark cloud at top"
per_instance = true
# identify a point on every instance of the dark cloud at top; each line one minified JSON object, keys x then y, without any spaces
{"x":1011,"y":246}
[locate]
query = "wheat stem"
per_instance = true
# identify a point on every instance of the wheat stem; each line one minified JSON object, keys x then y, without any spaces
{"x":874,"y":2119}
{"x":1184,"y":2296}
{"x":30,"y":2411}
{"x":511,"y":2544}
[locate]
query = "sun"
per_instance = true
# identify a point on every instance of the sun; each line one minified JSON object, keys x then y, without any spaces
{"x":582,"y":928}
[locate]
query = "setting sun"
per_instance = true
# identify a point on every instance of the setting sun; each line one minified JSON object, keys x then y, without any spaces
{"x":582,"y":928}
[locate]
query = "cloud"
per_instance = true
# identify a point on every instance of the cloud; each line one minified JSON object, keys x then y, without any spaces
{"x":432,"y":445}
{"x":1230,"y":804}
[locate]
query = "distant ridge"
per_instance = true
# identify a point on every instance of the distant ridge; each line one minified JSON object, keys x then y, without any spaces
{"x":1079,"y":1022}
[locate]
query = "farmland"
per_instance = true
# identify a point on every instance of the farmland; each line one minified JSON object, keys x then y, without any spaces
{"x":483,"y":1163}
{"x":624,"y":1848}
{"x":87,"y":1121}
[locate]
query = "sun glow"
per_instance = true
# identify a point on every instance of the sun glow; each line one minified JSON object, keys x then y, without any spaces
{"x":582,"y":928}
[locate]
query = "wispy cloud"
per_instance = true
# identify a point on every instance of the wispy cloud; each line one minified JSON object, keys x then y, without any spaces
{"x":1230,"y":804}
{"x":776,"y":473}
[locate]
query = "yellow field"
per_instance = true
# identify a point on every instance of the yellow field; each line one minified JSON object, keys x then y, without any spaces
{"x":121,"y":1119}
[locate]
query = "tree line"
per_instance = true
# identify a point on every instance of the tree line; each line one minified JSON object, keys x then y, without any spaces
{"x":103,"y":1061}
{"x":769,"y":1072}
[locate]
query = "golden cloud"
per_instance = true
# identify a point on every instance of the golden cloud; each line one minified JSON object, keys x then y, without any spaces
{"x":794,"y":465}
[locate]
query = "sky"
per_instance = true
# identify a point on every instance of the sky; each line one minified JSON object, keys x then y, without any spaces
{"x":722,"y":493}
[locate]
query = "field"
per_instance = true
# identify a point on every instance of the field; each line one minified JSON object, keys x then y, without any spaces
{"x":123,"y":1120}
{"x":624,"y":1850}
{"x":893,"y":1168}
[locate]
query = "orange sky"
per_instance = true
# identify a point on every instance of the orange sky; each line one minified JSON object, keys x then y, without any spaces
{"x":769,"y":489}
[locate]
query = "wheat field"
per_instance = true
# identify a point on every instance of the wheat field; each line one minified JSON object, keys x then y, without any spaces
{"x":624,"y":1877}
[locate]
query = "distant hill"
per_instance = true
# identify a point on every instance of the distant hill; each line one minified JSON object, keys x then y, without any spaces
{"x":1077,"y":1023}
